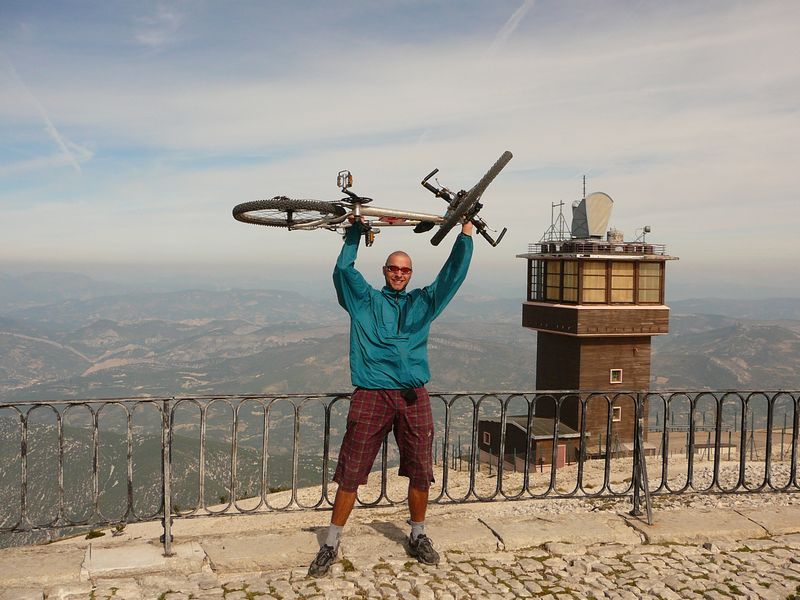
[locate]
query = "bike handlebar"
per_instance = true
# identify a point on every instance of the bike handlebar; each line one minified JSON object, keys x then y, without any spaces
{"x":427,"y":185}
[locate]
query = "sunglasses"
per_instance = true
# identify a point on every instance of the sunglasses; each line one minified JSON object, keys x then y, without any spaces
{"x":396,"y":269}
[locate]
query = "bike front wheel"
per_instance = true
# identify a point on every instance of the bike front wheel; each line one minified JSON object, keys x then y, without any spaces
{"x":454,"y":215}
{"x":281,"y":211}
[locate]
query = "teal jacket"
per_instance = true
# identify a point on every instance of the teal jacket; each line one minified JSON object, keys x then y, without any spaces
{"x":389,"y":329}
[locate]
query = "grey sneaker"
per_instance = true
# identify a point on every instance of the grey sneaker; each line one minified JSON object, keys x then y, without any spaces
{"x":422,"y":549}
{"x":322,"y":563}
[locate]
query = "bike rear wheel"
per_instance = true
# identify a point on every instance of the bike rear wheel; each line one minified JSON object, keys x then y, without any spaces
{"x":281,"y":211}
{"x":453,"y":216}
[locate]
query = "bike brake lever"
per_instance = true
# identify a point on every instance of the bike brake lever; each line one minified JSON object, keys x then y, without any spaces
{"x":489,"y":239}
{"x":500,"y":237}
{"x":480,"y":225}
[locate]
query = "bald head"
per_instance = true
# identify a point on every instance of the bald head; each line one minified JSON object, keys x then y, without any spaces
{"x":398,"y":254}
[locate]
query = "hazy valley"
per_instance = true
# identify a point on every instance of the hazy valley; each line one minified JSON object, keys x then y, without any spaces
{"x":70,"y":338}
{"x":73,"y":338}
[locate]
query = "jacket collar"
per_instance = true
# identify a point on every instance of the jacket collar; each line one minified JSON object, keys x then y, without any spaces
{"x":390,"y":293}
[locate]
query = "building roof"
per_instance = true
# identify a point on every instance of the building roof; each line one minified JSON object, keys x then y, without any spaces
{"x":591,"y":248}
{"x":541,"y":427}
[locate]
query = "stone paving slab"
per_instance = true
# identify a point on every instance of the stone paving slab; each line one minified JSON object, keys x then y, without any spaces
{"x":692,"y":526}
{"x":468,"y":535}
{"x":14,"y":593}
{"x":34,"y":565}
{"x":386,"y":540}
{"x":260,"y":552}
{"x":377,"y":540}
{"x":579,"y":528}
{"x":139,"y":558}
{"x":70,"y":591}
{"x":785,"y":521}
{"x":792,"y":539}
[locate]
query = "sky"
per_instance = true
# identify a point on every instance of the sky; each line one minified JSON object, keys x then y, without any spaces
{"x":129,"y":130}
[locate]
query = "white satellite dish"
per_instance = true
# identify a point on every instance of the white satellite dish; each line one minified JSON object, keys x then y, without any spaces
{"x":590,"y":216}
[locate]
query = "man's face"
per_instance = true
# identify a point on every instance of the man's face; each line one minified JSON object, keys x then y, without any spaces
{"x":397,"y":271}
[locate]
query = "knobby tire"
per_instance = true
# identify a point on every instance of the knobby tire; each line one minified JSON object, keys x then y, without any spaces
{"x":281,"y":211}
{"x":470,"y":199}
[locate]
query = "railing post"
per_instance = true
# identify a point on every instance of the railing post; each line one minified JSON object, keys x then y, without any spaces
{"x":23,"y":455}
{"x":166,"y":476}
{"x":637,"y":472}
{"x":640,"y":481}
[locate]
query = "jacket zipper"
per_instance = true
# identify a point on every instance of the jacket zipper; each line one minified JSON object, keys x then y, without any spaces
{"x":397,"y":303}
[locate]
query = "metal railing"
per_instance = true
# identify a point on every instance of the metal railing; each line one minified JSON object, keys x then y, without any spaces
{"x":92,"y":463}
{"x":597,"y":247}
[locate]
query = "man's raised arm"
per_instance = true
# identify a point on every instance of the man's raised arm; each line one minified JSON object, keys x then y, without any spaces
{"x":351,"y":287}
{"x":453,"y":272}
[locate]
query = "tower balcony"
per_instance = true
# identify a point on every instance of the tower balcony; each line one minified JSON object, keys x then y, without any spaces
{"x":596,"y":320}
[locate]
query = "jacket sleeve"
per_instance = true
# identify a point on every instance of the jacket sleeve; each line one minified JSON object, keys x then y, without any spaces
{"x":454,"y":271}
{"x":351,"y":287}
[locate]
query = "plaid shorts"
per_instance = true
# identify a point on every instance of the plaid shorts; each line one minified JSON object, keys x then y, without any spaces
{"x":373,"y":413}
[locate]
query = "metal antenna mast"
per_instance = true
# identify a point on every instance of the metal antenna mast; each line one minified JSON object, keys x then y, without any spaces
{"x":558,"y":230}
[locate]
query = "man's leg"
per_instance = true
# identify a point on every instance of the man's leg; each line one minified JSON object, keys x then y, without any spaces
{"x":368,"y":420}
{"x":414,"y":435}
{"x":417,"y":503}
{"x":417,"y":506}
{"x":343,"y":506}
{"x":419,"y":543}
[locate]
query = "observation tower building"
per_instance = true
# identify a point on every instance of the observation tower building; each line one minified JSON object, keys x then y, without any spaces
{"x":596,"y":301}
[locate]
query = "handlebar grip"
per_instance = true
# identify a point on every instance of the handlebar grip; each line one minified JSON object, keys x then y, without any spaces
{"x":429,"y":175}
{"x":427,"y":185}
{"x":489,"y":239}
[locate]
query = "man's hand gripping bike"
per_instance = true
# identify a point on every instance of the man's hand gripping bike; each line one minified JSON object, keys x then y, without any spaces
{"x":462,"y":206}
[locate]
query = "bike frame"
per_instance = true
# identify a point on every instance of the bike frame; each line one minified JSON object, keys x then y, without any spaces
{"x":462,"y":206}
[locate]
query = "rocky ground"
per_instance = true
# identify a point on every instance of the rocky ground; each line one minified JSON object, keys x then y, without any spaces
{"x":763,"y":564}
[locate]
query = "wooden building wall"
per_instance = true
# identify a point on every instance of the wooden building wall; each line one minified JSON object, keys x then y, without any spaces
{"x":584,"y":363}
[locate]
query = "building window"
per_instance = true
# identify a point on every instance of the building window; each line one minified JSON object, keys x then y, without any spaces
{"x":594,"y":281}
{"x":616,"y":413}
{"x":650,"y":282}
{"x":622,"y":282}
{"x":553,"y":283}
{"x":616,"y":376}
{"x":570,"y":268}
{"x":537,"y":280}
{"x":487,"y":438}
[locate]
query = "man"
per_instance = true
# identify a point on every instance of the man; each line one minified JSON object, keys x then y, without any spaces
{"x":389,"y":369}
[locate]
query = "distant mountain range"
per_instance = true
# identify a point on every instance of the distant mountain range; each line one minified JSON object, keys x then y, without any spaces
{"x":64,"y":338}
{"x":765,"y":309}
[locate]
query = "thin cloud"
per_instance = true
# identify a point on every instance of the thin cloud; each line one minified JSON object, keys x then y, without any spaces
{"x":157,"y":30}
{"x":683,"y":115}
{"x":511,"y":25}
{"x":67,"y":149}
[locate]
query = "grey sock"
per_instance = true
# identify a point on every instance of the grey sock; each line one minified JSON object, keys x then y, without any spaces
{"x":417,"y":529}
{"x":334,"y":531}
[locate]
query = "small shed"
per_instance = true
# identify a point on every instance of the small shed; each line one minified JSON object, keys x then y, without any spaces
{"x":541,"y":438}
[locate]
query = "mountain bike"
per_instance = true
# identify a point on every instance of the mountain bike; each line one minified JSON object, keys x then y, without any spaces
{"x":299,"y":214}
